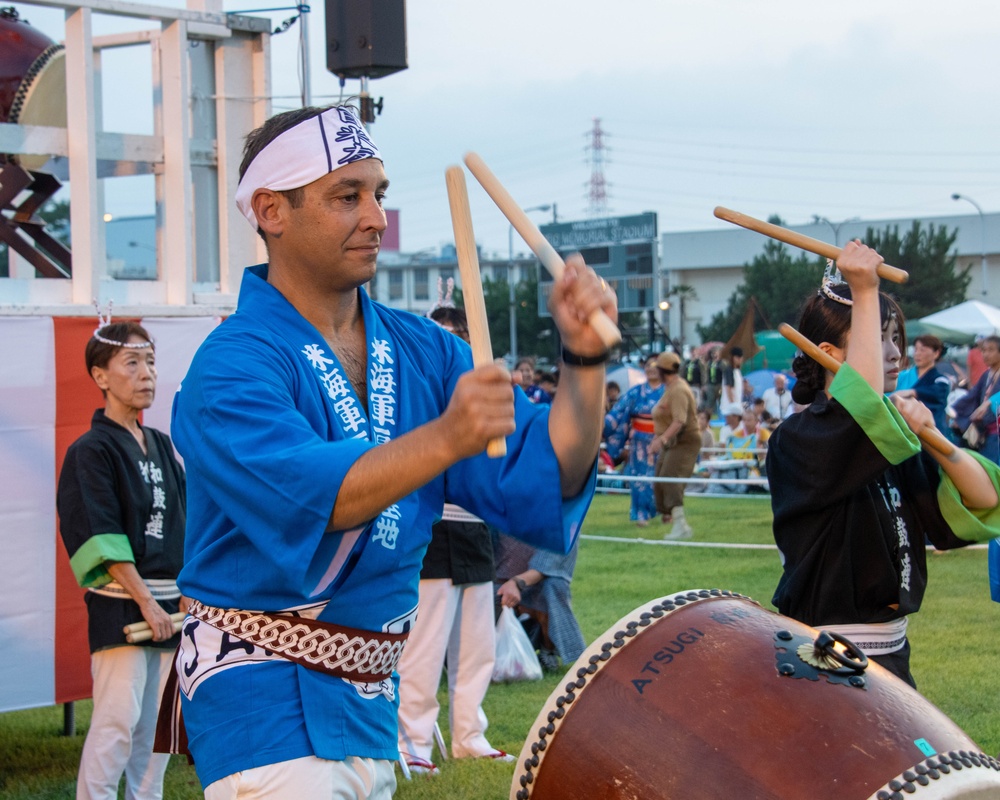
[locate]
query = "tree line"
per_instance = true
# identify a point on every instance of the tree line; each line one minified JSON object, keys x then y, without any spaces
{"x":780,"y":278}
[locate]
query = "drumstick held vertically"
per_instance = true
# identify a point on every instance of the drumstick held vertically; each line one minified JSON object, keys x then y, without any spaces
{"x":606,"y":329}
{"x":801,"y":241}
{"x":932,"y":437}
{"x":472,"y":283}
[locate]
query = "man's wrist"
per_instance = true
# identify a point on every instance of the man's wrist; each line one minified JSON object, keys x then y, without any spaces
{"x":571,"y":359}
{"x":520,"y":584}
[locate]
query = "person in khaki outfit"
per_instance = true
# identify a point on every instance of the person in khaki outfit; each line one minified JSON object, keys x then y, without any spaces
{"x":677,"y":441}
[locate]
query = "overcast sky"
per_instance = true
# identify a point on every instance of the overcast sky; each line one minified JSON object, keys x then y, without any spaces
{"x":854,"y":108}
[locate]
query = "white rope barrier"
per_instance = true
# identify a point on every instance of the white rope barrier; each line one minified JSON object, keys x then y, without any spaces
{"x":720,"y":545}
{"x":640,"y":540}
{"x":605,"y":478}
{"x":615,"y":476}
{"x":761,"y":451}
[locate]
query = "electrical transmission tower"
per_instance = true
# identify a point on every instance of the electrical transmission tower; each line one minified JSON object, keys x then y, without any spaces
{"x":598,"y":195}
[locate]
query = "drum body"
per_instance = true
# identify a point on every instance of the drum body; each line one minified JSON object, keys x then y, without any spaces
{"x":20,"y":45}
{"x":32,"y":81}
{"x":704,"y":695}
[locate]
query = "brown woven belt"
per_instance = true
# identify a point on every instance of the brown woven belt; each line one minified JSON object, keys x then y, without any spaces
{"x":349,"y":653}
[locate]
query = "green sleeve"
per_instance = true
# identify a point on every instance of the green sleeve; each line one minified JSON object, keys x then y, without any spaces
{"x":876,"y":415}
{"x":968,"y":524}
{"x":88,"y":563}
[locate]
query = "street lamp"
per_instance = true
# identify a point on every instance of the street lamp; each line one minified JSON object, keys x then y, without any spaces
{"x":982,"y":232}
{"x":510,"y":281}
{"x":836,"y":227}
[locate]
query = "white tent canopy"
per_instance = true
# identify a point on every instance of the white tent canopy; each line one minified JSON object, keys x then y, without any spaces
{"x":972,"y":316}
{"x":626,"y":377}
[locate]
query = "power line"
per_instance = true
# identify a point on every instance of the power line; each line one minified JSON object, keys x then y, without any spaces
{"x":811,"y":150}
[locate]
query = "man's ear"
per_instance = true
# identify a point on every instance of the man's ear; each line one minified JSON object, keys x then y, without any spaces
{"x":270,"y":208}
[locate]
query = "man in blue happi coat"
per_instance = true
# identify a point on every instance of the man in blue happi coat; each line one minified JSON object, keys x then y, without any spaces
{"x":322,"y":433}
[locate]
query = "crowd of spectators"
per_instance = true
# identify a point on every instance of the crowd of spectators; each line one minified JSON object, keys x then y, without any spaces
{"x":735,"y":421}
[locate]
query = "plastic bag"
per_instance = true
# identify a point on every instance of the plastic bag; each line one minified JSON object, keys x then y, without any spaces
{"x":516,"y":659}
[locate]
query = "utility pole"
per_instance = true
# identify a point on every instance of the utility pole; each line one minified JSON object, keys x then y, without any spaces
{"x":982,"y":234}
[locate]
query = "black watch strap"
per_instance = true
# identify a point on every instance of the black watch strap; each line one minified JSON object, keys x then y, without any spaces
{"x":573,"y":360}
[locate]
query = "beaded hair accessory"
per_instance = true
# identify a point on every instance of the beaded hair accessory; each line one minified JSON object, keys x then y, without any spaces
{"x":832,"y":277}
{"x":445,"y":299}
{"x":104,"y":321}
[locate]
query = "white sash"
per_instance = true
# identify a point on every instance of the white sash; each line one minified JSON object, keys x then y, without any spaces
{"x":160,"y":588}
{"x":873,"y":639}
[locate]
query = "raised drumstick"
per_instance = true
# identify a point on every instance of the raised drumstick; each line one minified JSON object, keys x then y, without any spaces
{"x":801,"y":241}
{"x":932,"y":437}
{"x":472,"y":282}
{"x":599,"y":321}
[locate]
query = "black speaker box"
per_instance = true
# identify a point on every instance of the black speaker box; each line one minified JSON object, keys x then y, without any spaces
{"x":365,"y":38}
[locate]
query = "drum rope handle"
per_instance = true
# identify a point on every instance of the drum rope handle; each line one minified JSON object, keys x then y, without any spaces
{"x":852,"y":659}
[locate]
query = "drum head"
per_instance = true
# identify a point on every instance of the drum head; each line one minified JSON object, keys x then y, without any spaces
{"x":41,"y":99}
{"x":704,"y":694}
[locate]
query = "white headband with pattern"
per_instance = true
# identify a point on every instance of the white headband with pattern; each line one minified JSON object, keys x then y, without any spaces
{"x":303,"y":154}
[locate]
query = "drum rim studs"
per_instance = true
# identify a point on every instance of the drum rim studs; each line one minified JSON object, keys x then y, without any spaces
{"x":596,"y":661}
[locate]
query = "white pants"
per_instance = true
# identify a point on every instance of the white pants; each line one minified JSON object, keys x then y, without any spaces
{"x":456,"y":621}
{"x":128,"y":682}
{"x":309,"y":778}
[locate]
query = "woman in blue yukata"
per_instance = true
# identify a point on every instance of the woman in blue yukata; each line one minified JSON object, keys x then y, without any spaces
{"x":630,"y":424}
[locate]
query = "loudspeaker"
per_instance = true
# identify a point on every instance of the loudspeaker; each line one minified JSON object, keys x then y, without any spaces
{"x":365,"y":38}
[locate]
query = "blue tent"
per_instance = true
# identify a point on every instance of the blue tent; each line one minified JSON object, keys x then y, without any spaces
{"x":763,"y":379}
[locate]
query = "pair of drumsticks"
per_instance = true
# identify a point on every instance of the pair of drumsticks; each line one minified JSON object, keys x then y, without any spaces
{"x":932,"y":437}
{"x":468,"y":263}
{"x":141,"y":632}
{"x":475,"y":305}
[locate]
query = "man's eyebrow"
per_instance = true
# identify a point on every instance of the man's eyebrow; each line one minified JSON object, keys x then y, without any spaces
{"x":356,"y":183}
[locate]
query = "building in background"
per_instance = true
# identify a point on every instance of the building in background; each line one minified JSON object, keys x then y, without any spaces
{"x":406,"y":280}
{"x":711,"y":262}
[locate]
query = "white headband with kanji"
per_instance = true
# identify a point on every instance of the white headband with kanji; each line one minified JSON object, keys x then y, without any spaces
{"x":303,"y":154}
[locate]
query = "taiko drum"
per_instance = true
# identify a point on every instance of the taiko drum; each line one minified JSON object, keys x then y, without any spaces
{"x":704,"y":694}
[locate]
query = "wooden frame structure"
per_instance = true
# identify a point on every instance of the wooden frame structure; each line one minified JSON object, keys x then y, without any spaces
{"x":202,"y":241}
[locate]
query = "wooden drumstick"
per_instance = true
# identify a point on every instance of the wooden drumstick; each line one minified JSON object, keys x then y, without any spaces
{"x":932,"y":437}
{"x":472,"y":282}
{"x":801,"y":241}
{"x":141,"y":632}
{"x":599,"y":321}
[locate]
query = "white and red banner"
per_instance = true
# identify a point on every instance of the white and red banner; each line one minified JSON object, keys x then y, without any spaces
{"x":46,"y":402}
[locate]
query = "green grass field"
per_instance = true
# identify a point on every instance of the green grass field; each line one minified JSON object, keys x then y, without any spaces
{"x":956,"y":651}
